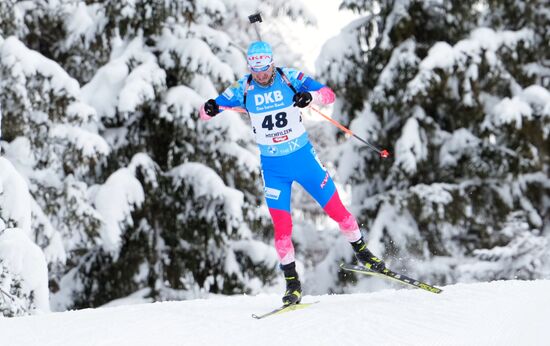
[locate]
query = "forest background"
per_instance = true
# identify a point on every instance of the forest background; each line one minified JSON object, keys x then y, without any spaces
{"x":110,"y":186}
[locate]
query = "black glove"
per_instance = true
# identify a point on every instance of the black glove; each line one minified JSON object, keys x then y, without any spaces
{"x":211,"y":108}
{"x":302,"y":99}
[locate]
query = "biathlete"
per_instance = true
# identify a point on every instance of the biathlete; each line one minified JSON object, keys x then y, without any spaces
{"x":273,"y":96}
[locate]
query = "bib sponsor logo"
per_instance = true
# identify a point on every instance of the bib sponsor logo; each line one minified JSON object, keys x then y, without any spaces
{"x":272,"y":193}
{"x":267,"y":98}
{"x":293,"y":145}
{"x":280,"y":139}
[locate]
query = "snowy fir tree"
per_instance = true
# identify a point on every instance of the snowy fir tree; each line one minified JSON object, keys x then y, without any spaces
{"x":23,"y":268}
{"x":458,"y":92}
{"x":13,"y":302}
{"x":23,"y":275}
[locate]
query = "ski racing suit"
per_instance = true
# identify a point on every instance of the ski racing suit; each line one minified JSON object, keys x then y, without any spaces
{"x":285,"y":150}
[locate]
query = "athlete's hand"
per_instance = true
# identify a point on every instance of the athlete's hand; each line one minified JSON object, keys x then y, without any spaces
{"x":302,"y":99}
{"x":211,"y":108}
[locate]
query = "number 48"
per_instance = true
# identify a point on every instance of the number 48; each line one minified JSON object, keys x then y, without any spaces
{"x":280,"y":121}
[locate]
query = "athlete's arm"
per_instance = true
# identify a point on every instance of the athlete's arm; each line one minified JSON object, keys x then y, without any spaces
{"x":231,"y":97}
{"x":321,"y":94}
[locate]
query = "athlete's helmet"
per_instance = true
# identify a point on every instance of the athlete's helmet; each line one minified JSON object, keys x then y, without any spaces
{"x":259,"y":56}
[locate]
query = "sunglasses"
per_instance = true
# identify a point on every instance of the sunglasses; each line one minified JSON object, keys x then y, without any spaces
{"x":260,"y":69}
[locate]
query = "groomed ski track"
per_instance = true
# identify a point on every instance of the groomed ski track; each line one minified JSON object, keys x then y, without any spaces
{"x":496,"y":313}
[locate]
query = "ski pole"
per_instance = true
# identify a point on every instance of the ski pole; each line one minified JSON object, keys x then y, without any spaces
{"x":234,"y":109}
{"x":382,"y":152}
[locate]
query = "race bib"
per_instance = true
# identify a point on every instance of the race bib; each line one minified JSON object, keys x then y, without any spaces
{"x":277,"y":127}
{"x":276,"y":123}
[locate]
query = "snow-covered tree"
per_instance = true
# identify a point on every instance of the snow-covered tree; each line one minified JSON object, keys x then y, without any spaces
{"x":13,"y":302}
{"x":52,"y":140}
{"x":23,"y":276}
{"x":458,"y":91}
{"x":23,"y":268}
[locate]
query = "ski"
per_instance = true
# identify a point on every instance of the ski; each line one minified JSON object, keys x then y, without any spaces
{"x":284,"y":309}
{"x":390,"y":274}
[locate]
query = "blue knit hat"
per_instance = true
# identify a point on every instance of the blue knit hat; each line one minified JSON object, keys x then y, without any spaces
{"x":259,"y":56}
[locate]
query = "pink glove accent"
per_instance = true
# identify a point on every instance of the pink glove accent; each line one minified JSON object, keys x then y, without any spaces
{"x":323,"y":96}
{"x":203,"y":114}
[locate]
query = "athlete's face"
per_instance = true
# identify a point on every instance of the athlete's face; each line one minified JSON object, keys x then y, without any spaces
{"x":263,"y":77}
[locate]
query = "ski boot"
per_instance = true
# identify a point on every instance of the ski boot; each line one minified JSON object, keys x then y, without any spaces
{"x":293,"y":293}
{"x":367,"y":258}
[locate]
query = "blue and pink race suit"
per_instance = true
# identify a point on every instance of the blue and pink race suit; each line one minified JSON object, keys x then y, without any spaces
{"x":286,"y":152}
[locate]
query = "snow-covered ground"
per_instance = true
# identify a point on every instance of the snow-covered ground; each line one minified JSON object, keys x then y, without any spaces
{"x":496,"y":313}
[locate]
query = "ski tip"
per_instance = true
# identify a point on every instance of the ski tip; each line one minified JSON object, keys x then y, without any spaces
{"x":284,"y":308}
{"x":437,"y":290}
{"x":343,"y":265}
{"x":429,"y":288}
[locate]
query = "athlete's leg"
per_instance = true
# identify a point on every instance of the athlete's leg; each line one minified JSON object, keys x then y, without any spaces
{"x":277,"y":190}
{"x":317,"y":182}
{"x":278,"y":178}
